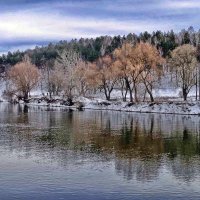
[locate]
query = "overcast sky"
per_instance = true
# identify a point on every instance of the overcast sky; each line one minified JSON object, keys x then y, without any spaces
{"x":26,"y":23}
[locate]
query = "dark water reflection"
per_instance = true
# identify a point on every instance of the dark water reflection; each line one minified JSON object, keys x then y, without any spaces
{"x":97,"y":155}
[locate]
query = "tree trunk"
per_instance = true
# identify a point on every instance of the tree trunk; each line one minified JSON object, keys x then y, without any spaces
{"x":144,"y":98}
{"x":82,"y":90}
{"x":125,"y":94}
{"x":135,"y":93}
{"x":107,"y":93}
{"x":131,"y":95}
{"x":150,"y":93}
{"x":108,"y":97}
{"x":151,"y":97}
{"x":130,"y":90}
{"x":184,"y":94}
{"x":25,"y":95}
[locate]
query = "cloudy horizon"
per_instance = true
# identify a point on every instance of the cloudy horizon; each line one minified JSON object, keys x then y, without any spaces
{"x":27,"y":23}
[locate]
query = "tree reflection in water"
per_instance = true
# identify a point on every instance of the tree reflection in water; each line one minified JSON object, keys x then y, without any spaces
{"x":140,"y":145}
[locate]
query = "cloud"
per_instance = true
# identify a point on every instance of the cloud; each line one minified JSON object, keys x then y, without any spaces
{"x":44,"y":26}
{"x":146,"y":5}
{"x":39,"y":21}
{"x":191,"y":4}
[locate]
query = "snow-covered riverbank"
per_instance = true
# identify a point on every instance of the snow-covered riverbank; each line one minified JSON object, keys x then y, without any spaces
{"x":188,"y":108}
{"x":184,"y":108}
{"x":167,"y":101}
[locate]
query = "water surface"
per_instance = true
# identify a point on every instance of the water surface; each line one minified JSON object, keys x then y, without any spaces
{"x":57,"y":154}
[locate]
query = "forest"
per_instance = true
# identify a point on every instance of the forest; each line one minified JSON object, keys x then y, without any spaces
{"x":133,"y":64}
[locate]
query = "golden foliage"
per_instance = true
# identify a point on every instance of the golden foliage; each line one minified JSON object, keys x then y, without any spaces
{"x":24,"y":76}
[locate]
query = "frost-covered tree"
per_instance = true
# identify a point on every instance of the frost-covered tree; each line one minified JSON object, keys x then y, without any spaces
{"x":66,"y":62}
{"x":184,"y":63}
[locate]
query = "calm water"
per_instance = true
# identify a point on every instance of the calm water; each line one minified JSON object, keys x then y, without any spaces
{"x":97,"y":155}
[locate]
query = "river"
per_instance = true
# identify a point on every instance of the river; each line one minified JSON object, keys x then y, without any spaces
{"x":61,"y":154}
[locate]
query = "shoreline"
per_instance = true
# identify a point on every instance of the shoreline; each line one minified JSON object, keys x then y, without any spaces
{"x":144,"y":112}
{"x":160,"y":108}
{"x":177,"y":108}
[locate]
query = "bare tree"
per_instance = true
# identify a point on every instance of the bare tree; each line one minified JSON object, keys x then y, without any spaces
{"x":138,"y":64}
{"x":106,"y":74}
{"x":46,"y":74}
{"x":82,"y":76}
{"x":23,"y":77}
{"x":183,"y":62}
{"x":67,"y":60}
{"x":123,"y":62}
{"x":57,"y":80}
{"x":150,"y":63}
{"x":91,"y":77}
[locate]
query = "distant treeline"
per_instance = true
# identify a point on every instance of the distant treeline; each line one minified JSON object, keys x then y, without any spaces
{"x":91,"y":49}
